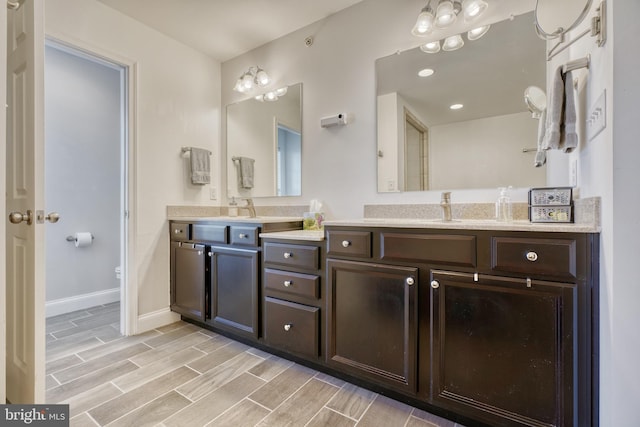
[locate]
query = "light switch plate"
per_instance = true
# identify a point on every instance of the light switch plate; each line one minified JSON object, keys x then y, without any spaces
{"x":597,"y":116}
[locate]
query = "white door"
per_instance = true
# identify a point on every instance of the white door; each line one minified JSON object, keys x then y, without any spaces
{"x":25,"y":317}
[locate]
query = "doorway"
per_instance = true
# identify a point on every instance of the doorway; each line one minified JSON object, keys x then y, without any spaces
{"x":416,"y":153}
{"x":86,"y":179}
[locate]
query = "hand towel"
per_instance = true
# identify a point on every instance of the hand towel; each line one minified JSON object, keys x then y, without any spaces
{"x":200,"y":168}
{"x":541,"y":155}
{"x":555,"y":111}
{"x":246,"y":172}
{"x":569,"y":136}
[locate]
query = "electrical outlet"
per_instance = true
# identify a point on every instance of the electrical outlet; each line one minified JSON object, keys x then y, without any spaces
{"x":213,"y":193}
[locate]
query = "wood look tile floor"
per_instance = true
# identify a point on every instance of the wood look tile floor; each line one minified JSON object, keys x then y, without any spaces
{"x":182,"y":375}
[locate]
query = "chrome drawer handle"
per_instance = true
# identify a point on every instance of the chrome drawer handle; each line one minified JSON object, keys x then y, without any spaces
{"x":288,"y":255}
{"x":243,"y":236}
{"x":410,"y":281}
{"x":287,"y":327}
{"x":435,"y":284}
{"x":346,"y":243}
{"x":287,"y":283}
{"x":532,"y":256}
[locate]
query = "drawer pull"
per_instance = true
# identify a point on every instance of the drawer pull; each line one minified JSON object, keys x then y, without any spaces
{"x":210,"y":254}
{"x":288,"y":255}
{"x":346,"y":243}
{"x":287,"y":283}
{"x":410,"y":281}
{"x":532,"y":256}
{"x":243,"y":236}
{"x":287,"y":327}
{"x":435,"y":284}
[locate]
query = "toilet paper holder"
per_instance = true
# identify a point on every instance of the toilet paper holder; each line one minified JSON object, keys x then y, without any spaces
{"x":73,"y":239}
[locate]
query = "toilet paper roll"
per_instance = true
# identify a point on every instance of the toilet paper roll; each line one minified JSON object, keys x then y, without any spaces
{"x":83,"y":239}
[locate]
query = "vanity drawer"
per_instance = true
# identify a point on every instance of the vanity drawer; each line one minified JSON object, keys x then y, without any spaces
{"x":214,"y":233}
{"x":301,"y":256}
{"x":548,"y":257}
{"x":297,"y":284}
{"x":180,"y":232}
{"x":349,"y":243}
{"x":449,"y":249}
{"x":244,"y":235}
{"x":293,"y":327}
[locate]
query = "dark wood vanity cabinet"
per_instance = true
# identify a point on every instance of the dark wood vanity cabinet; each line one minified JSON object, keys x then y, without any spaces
{"x":373,"y":322}
{"x":294,"y":300}
{"x":188,"y":294}
{"x":499,"y":329}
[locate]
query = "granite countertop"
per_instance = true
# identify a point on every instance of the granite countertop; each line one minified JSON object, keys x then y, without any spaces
{"x":467,"y":224}
{"x":308,"y":235}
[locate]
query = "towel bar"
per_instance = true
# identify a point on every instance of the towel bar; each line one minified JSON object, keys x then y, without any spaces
{"x":185,"y":149}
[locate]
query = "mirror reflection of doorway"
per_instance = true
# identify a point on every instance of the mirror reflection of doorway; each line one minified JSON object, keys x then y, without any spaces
{"x":416,"y":154}
{"x":288,"y":162}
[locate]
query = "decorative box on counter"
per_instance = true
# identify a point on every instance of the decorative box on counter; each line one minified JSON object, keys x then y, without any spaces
{"x":313,"y":221}
{"x":551,"y":204}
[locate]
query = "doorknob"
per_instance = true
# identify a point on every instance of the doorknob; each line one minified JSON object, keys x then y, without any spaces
{"x":17,"y":217}
{"x":52,"y":217}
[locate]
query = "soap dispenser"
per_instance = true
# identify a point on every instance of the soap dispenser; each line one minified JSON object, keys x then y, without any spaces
{"x":503,"y":206}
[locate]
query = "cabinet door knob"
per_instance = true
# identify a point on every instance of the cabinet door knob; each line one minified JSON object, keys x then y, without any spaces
{"x":287,"y":327}
{"x":242,"y":236}
{"x":287,"y":283}
{"x":210,"y":254}
{"x":410,"y":281}
{"x":346,"y":243}
{"x":532,"y":256}
{"x":435,"y":284}
{"x":177,"y":231}
{"x":288,"y":255}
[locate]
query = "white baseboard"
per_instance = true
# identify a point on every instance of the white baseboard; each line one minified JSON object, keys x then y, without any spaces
{"x":79,"y":302}
{"x":156,"y":319}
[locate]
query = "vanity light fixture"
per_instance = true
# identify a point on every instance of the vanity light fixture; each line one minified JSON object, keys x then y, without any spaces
{"x":272,"y":96}
{"x":476,"y":33}
{"x":426,"y":72}
{"x":472,"y":9}
{"x":452,"y":43}
{"x":431,"y":47}
{"x":447,"y":12}
{"x":254,"y":76}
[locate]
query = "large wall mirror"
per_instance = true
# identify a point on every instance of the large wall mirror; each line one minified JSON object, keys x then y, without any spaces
{"x":264,"y":145}
{"x":490,"y":142}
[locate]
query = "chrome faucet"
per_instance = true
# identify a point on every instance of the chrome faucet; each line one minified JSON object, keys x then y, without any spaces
{"x":445,"y":203}
{"x":250,"y":207}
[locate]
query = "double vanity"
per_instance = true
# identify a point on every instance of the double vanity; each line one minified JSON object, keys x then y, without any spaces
{"x":481,"y":322}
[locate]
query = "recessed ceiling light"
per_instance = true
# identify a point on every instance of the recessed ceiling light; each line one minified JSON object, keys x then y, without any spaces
{"x":426,"y":72}
{"x":456,"y":106}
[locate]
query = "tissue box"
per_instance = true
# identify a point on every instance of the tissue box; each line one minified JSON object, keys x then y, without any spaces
{"x":313,"y":221}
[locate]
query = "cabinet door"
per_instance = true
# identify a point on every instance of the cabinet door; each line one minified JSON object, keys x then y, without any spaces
{"x":234,"y":290}
{"x":372,"y":322}
{"x":188,"y":290}
{"x":503,"y":349}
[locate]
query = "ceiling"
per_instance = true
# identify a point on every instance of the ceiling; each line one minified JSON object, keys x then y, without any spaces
{"x":224,"y":29}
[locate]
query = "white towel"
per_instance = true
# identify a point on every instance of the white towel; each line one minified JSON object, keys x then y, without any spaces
{"x":245,"y":170}
{"x":200,"y":168}
{"x":569,"y":137}
{"x":541,"y":155}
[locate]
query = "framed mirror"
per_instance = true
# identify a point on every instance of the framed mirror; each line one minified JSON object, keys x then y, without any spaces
{"x":490,"y":142}
{"x":264,"y":145}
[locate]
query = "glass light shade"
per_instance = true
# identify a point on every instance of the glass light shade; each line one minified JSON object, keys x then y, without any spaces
{"x":452,"y":43}
{"x":239,"y":87}
{"x":270,"y":96}
{"x":472,"y":9}
{"x":262,"y":77}
{"x":282,"y":91}
{"x":431,"y":47}
{"x":247,"y":81}
{"x":476,"y":33}
{"x":424,"y":23}
{"x":446,"y":14}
